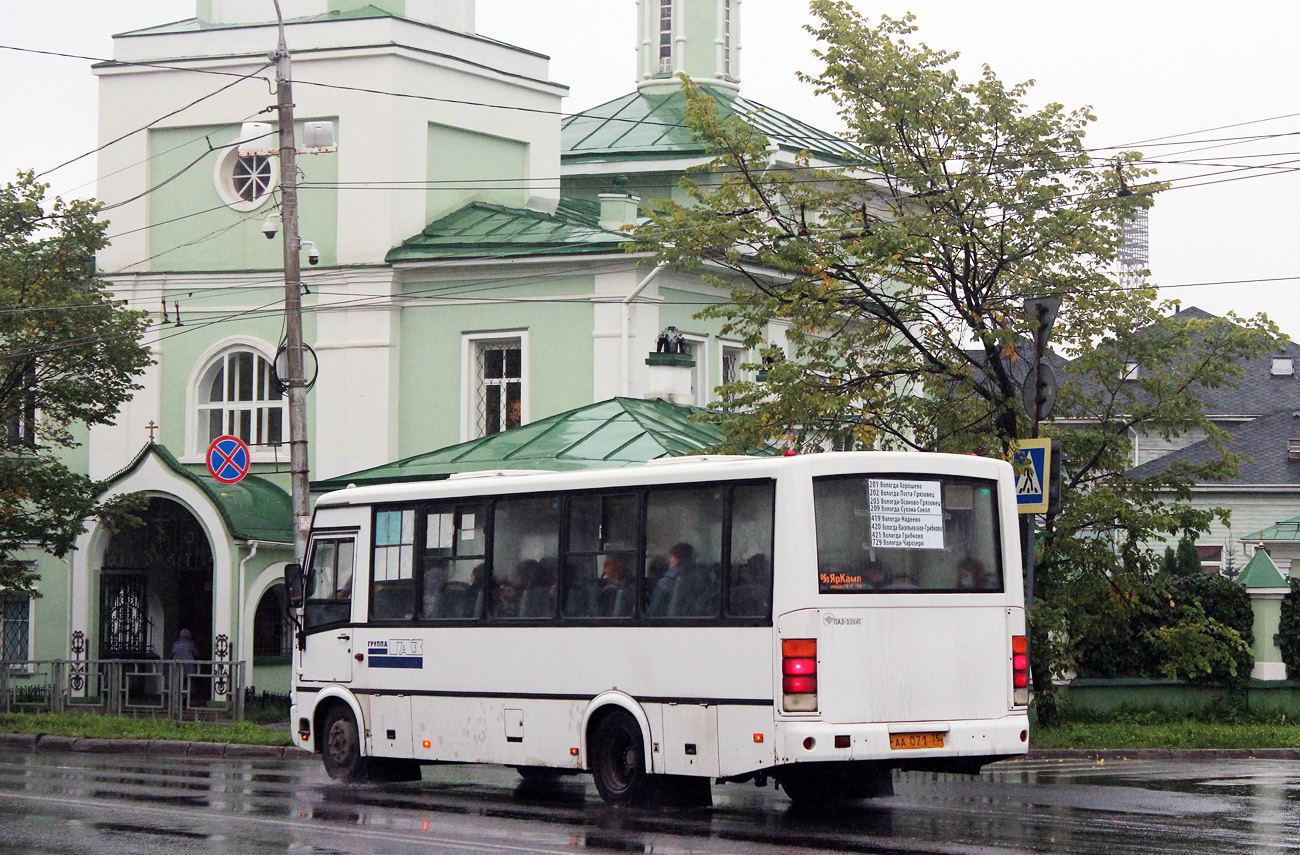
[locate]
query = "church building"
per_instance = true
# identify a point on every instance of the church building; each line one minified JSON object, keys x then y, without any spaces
{"x":464,"y":271}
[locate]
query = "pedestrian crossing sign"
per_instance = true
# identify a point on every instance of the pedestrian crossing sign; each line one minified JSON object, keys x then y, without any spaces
{"x":1033,"y":458}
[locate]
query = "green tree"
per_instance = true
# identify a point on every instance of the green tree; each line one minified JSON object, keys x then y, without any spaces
{"x":901,"y":279}
{"x":69,"y":354}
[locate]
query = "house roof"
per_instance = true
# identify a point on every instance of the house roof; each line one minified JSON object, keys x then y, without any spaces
{"x":652,"y":126}
{"x":608,"y":434}
{"x":1264,"y":440}
{"x":1257,"y":392}
{"x":1261,"y":572}
{"x":253,"y":509}
{"x":482,"y":230}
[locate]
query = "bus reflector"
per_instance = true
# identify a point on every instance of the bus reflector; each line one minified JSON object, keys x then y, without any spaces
{"x":799,"y":674}
{"x":428,"y":744}
{"x":758,"y":739}
{"x":1020,"y":669}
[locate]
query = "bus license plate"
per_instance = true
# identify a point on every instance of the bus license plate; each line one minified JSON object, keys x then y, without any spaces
{"x":906,"y":741}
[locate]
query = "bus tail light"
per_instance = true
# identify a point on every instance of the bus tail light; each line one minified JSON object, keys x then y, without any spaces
{"x":799,"y":674}
{"x":1020,"y":669}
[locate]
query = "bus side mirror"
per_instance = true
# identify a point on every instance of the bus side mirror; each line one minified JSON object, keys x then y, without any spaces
{"x":293,"y":584}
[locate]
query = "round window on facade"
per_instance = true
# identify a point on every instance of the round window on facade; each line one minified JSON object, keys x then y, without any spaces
{"x":246,"y":182}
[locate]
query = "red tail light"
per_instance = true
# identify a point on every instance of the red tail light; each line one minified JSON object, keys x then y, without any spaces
{"x":799,"y":674}
{"x":1020,"y":669}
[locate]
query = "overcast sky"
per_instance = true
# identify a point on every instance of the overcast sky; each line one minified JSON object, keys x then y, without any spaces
{"x":1209,"y":87}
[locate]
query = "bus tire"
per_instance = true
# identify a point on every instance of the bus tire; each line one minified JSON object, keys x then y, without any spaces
{"x":618,"y":760}
{"x":341,"y":747}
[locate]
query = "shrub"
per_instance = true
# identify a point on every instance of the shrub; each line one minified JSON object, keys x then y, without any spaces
{"x":1288,"y":636}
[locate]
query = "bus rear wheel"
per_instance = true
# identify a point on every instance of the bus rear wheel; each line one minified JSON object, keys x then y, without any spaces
{"x":618,"y":760}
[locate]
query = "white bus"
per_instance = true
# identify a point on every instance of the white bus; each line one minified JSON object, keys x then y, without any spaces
{"x":815,"y":620}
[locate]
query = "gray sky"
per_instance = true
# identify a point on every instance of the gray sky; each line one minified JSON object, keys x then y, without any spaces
{"x":1212,"y":82}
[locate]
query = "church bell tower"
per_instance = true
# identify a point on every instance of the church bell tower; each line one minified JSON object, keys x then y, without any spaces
{"x":698,"y":37}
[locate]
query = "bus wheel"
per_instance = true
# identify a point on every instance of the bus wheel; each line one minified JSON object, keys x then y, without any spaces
{"x":618,"y":760}
{"x":342,"y":747}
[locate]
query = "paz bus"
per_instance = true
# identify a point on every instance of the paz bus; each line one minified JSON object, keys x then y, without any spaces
{"x":816,"y":621}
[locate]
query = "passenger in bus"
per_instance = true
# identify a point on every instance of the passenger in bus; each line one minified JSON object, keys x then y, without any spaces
{"x":505,"y":599}
{"x":751,"y":588}
{"x":971,"y":574}
{"x":668,"y":595}
{"x":875,"y":575}
{"x":537,"y":594}
{"x":614,"y":594}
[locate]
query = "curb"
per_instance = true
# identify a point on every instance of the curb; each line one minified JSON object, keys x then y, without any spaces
{"x":155,"y":747}
{"x":1164,"y":754}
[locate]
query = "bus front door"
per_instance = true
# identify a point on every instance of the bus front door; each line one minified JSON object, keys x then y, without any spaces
{"x":327,"y":645}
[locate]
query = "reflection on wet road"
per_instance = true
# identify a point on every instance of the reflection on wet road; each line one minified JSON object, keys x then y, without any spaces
{"x":59,"y":802}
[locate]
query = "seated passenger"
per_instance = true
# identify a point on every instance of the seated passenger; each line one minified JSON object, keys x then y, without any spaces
{"x":669,"y":595}
{"x":613,"y":594}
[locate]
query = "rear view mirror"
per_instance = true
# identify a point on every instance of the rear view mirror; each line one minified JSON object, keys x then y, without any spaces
{"x":293,"y":584}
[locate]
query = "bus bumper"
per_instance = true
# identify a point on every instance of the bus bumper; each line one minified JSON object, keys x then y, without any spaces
{"x":903,"y":743}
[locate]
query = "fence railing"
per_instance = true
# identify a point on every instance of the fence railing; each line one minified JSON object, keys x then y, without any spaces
{"x":183,"y":691}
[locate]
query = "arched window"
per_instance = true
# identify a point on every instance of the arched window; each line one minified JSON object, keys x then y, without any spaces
{"x":236,"y":396}
{"x":272,"y":631}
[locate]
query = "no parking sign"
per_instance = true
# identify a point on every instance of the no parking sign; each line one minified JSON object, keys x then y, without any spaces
{"x":228,"y":459}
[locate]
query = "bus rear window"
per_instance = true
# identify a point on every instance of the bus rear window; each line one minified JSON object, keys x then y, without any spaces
{"x":906,"y":533}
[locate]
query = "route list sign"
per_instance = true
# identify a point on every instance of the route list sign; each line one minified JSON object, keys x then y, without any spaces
{"x":905,"y":514}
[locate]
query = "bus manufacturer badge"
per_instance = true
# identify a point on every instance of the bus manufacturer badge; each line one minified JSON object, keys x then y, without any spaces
{"x":397,"y":653}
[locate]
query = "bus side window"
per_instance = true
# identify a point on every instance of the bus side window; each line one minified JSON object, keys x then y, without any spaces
{"x":392,"y":592}
{"x":329,"y":583}
{"x":749,"y":594}
{"x":683,"y":553}
{"x":599,"y":562}
{"x":453,"y":573}
{"x":525,"y":558}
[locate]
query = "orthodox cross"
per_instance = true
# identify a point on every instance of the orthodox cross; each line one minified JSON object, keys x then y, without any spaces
{"x":152,"y":427}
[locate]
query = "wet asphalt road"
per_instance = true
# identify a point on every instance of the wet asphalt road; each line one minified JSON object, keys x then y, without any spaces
{"x":59,"y":802}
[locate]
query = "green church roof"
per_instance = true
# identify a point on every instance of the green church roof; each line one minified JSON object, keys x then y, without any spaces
{"x":253,"y":509}
{"x":1261,"y":572}
{"x":614,"y":433}
{"x":481,"y":230}
{"x":652,"y":126}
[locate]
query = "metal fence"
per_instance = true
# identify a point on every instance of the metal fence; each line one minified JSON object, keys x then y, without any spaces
{"x":143,"y":688}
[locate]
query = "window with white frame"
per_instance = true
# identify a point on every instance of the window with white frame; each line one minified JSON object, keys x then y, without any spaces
{"x":15,"y":628}
{"x":498,"y":385}
{"x":698,"y":348}
{"x":666,"y":36}
{"x":733,"y":356}
{"x":728,"y":16}
{"x":20,"y":422}
{"x":237,"y":396}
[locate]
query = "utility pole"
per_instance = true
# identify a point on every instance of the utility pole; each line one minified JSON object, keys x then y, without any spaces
{"x":300,"y":486}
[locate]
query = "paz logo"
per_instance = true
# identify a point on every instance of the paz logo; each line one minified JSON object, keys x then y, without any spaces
{"x":832,"y":620}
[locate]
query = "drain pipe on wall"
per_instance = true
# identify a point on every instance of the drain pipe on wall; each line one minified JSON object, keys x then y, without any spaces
{"x":625,"y":382}
{"x":245,"y":638}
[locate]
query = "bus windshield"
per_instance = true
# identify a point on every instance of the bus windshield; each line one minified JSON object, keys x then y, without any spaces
{"x":907,"y":533}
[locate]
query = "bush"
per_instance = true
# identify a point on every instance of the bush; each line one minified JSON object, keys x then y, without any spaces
{"x":1184,"y":623}
{"x":1288,"y":636}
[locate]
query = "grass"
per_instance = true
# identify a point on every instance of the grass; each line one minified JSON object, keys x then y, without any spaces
{"x":111,"y":727}
{"x":1129,"y":729}
{"x":1121,"y":730}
